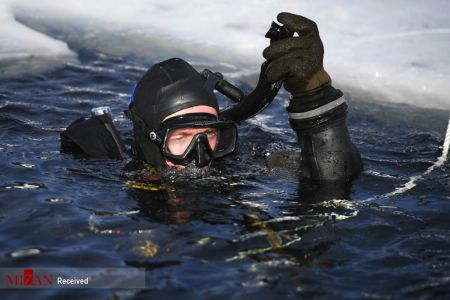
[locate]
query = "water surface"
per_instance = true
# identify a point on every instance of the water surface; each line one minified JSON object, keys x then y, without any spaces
{"x":247,"y":228}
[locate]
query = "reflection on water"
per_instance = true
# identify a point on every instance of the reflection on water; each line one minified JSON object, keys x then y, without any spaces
{"x":246,"y":227}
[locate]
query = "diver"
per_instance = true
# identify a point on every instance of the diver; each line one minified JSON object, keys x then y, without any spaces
{"x":177,"y":121}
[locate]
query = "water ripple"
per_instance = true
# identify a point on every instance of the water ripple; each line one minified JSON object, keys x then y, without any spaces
{"x":23,"y":186}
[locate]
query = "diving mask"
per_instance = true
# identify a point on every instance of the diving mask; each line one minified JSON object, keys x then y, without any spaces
{"x":197,"y":137}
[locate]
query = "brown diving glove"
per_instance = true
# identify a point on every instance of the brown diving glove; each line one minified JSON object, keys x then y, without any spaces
{"x":297,"y":60}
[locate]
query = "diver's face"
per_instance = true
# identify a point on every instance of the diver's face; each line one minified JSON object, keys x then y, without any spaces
{"x":179,"y":139}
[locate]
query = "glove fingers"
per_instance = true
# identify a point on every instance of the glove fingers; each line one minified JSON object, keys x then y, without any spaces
{"x":283,"y":68}
{"x":285,"y":46}
{"x":303,"y":26}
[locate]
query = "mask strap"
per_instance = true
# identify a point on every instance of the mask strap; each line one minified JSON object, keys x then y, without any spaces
{"x":142,"y":127}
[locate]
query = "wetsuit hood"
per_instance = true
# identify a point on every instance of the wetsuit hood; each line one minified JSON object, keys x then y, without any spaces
{"x":166,"y":88}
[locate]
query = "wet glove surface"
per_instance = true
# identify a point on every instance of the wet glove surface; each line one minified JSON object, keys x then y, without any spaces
{"x":297,"y":60}
{"x":93,"y":137}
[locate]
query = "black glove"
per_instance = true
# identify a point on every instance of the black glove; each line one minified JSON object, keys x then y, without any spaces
{"x":94,"y":137}
{"x":297,"y":60}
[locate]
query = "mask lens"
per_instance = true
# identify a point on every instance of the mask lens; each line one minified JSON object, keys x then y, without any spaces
{"x":219,"y":138}
{"x":226,"y":141}
{"x":178,"y":140}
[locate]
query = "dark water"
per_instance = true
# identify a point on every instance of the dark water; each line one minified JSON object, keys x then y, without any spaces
{"x":244,"y":230}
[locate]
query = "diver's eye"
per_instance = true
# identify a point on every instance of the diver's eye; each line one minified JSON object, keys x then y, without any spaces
{"x":178,"y":138}
{"x":211,"y":133}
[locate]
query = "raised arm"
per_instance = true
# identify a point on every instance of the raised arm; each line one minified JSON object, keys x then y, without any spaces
{"x":317,"y":111}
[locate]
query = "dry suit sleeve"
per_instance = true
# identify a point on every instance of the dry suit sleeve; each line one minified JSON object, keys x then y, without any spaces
{"x":327,"y":152}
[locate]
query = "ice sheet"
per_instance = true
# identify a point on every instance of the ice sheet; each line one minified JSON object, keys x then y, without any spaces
{"x":394,"y":50}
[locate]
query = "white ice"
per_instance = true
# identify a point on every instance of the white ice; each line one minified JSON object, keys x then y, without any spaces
{"x":23,"y":49}
{"x":394,"y":51}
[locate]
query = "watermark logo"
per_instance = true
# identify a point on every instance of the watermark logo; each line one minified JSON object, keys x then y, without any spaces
{"x":28,"y":279}
{"x":35,"y":278}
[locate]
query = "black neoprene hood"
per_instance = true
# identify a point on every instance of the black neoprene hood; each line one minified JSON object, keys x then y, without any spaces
{"x":166,"y":88}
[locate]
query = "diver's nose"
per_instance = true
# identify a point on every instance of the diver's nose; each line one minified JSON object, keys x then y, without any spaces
{"x":202,"y":158}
